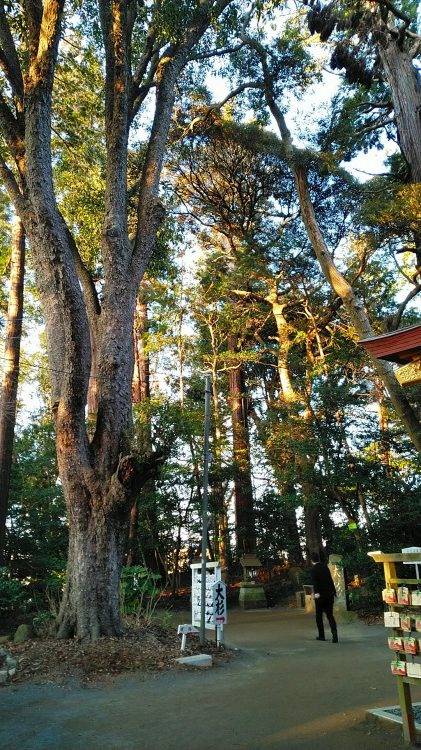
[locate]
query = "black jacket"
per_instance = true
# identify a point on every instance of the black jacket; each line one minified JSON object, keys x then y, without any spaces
{"x":322,"y":581}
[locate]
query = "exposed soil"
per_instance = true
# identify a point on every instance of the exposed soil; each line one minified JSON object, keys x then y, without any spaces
{"x":147,"y":649}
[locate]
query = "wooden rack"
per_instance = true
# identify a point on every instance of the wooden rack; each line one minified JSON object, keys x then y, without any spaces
{"x":404,"y":682}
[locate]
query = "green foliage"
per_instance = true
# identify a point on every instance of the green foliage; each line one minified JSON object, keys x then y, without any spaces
{"x":273,"y":524}
{"x":347,"y":128}
{"x":12,"y":593}
{"x":173,"y":18}
{"x":79,"y":144}
{"x":139,"y":591}
{"x":293,"y":67}
{"x":37,"y":538}
{"x":368,"y":596}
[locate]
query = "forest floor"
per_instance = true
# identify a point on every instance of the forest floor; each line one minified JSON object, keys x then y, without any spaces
{"x":145,"y":649}
{"x":278,"y":689}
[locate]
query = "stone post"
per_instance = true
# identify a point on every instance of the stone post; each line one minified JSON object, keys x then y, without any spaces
{"x":337,"y":573}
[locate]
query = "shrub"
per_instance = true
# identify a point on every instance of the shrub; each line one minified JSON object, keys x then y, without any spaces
{"x":139,"y":591}
{"x":368,"y":596}
{"x":12,"y":593}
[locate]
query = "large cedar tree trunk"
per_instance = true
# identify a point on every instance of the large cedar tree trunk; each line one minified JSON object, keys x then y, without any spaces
{"x":405,"y":86}
{"x":218,"y":487}
{"x":9,"y":388}
{"x":243,"y":490}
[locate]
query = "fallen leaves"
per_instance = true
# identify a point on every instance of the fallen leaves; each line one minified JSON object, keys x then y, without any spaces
{"x":146,"y":650}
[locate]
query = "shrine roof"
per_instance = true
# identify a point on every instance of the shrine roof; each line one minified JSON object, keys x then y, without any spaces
{"x":403,"y":345}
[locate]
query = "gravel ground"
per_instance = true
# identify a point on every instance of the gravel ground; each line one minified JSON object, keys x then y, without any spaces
{"x":283,"y":691}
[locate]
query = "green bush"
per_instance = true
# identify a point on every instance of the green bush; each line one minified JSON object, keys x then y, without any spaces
{"x":368,"y":596}
{"x":139,"y":591}
{"x":12,"y":593}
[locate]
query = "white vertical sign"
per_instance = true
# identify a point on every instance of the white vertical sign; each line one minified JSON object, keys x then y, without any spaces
{"x":213,"y":575}
{"x":219,"y":595}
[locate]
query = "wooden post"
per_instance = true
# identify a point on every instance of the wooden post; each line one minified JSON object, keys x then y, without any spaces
{"x":408,"y":722}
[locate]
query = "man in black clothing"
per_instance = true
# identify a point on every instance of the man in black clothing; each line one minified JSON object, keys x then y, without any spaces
{"x":324,"y":594}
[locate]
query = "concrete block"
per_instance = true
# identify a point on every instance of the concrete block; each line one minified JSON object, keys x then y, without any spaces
{"x":199,"y":660}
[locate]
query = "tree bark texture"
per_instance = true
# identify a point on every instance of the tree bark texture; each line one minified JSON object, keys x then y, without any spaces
{"x":404,"y":82}
{"x":314,"y":544}
{"x":141,"y":380}
{"x":218,"y":487}
{"x":9,"y":388}
{"x":243,"y":490}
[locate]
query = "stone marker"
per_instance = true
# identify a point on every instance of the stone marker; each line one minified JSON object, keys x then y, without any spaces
{"x":23,"y":633}
{"x":337,"y":573}
{"x":199,"y":660}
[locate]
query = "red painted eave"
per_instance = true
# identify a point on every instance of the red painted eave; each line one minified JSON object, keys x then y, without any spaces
{"x":399,"y":346}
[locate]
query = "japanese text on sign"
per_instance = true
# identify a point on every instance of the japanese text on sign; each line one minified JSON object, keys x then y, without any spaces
{"x":219,"y":591}
{"x":213,"y":575}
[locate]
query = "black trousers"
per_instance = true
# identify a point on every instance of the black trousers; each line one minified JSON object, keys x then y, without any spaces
{"x":325,"y":604}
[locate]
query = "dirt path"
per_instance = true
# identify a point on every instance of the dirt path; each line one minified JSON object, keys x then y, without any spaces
{"x":284,"y":691}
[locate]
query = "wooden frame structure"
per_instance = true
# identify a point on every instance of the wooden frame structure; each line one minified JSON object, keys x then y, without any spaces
{"x":403,"y":682}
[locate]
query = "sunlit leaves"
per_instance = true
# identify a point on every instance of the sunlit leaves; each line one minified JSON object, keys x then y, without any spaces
{"x":79,"y":144}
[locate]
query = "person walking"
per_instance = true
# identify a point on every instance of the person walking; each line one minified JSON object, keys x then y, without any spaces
{"x":324,"y":594}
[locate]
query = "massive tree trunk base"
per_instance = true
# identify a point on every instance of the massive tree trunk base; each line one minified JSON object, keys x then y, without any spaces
{"x":90,"y":606}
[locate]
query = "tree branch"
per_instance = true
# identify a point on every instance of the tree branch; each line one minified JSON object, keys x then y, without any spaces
{"x":10,"y":126}
{"x":21,"y":204}
{"x":218,"y":105}
{"x":9,"y":58}
{"x":218,"y":52}
{"x":149,"y":52}
{"x":45,"y":41}
{"x":269,"y":93}
{"x":396,"y":12}
{"x":377,"y":125}
{"x":113,"y":16}
{"x":393,"y":321}
{"x":143,"y":91}
{"x":150,"y":210}
{"x":89,"y":292}
{"x":33,"y":13}
{"x":369,"y":106}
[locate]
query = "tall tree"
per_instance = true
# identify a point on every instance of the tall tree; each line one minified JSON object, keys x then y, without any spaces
{"x":243,"y":489}
{"x":145,"y":49}
{"x":299,"y":163}
{"x":9,"y":387}
{"x":374,"y":42}
{"x":231,"y":187}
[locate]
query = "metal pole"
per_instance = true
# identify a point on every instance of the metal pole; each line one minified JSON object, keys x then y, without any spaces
{"x":205,"y":509}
